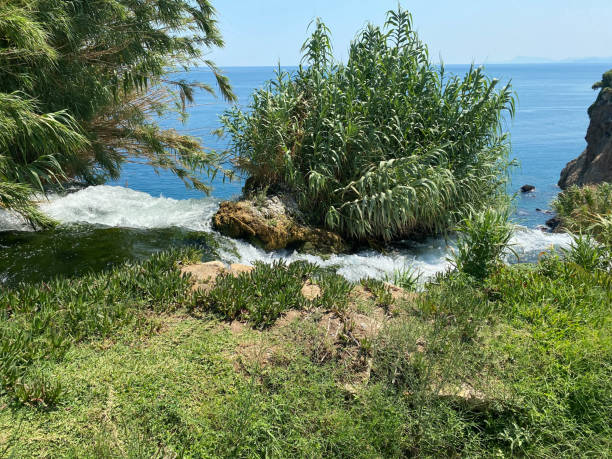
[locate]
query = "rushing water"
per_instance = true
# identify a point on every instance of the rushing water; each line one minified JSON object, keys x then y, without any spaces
{"x":104,"y":225}
{"x":143,"y":212}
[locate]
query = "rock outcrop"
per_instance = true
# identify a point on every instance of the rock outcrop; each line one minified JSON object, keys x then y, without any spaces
{"x":595,"y":164}
{"x":204,"y":275}
{"x":274,"y":223}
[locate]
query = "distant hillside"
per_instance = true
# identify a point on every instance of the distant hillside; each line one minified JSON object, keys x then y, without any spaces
{"x":571,"y":60}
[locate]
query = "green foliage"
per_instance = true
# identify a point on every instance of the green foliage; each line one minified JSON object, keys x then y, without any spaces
{"x":381,"y":147}
{"x":262,"y":295}
{"x":80,"y":84}
{"x":407,"y":278}
{"x":588,"y":254}
{"x":586,"y":210}
{"x":482,"y":242}
{"x":335,"y":290}
{"x":562,"y":352}
{"x":41,"y":322}
{"x":606,"y":81}
{"x":516,"y":366}
{"x":380,"y":290}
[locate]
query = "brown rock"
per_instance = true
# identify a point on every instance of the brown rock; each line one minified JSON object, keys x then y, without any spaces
{"x":237,"y":269}
{"x":273,"y":223}
{"x":595,"y":164}
{"x":311,"y":291}
{"x":205,"y":274}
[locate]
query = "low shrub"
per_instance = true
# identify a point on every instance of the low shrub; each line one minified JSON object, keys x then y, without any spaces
{"x":586,"y":210}
{"x":380,"y":290}
{"x":407,"y":278}
{"x":262,"y":295}
{"x":483,"y":240}
{"x":588,"y":254}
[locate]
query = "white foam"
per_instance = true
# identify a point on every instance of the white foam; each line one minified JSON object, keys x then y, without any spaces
{"x":122,"y":207}
{"x":11,"y":221}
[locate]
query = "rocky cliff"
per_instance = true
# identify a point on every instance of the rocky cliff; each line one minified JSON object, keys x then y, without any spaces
{"x":595,"y":164}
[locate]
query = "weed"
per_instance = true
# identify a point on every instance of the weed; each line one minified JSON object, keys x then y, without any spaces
{"x":380,"y":290}
{"x":407,"y":278}
{"x":588,"y":254}
{"x":483,"y":240}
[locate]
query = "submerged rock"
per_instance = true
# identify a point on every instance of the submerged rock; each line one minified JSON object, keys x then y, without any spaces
{"x":594,"y":165}
{"x":527,"y":188}
{"x":554,"y":224}
{"x":274,"y":223}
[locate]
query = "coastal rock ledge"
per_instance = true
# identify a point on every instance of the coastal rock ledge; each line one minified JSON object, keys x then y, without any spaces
{"x":274,"y":223}
{"x":595,"y":164}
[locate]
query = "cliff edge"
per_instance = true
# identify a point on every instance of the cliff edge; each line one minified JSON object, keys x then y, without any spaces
{"x":594,"y":165}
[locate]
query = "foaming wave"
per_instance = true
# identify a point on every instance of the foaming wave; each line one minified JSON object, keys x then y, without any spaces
{"x":427,"y":258}
{"x":122,"y":207}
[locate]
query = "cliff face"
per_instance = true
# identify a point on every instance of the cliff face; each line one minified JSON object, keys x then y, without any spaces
{"x":595,"y":164}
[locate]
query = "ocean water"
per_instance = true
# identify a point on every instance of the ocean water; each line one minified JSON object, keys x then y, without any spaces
{"x":143,"y":211}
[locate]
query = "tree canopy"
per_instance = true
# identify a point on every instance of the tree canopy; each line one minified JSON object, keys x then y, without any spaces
{"x":82,"y":83}
{"x":606,"y":81}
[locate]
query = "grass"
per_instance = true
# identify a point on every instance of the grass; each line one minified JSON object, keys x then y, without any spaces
{"x":40,"y":323}
{"x":517,"y":364}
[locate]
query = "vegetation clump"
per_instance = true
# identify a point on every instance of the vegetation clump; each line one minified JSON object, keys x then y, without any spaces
{"x":262,"y":295}
{"x":606,"y":81}
{"x":384,"y":146}
{"x":41,"y":322}
{"x":586,"y":209}
{"x":484,"y":239}
{"x":81,"y":83}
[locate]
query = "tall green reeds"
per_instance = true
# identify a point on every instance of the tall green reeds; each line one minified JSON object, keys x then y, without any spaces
{"x":384,"y":146}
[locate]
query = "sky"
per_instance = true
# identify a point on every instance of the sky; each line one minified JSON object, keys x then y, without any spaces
{"x":266,"y":32}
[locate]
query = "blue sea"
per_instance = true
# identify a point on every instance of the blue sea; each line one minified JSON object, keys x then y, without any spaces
{"x":143,"y":212}
{"x":547,"y":131}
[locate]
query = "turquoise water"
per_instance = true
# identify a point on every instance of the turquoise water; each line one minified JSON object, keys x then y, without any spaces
{"x":144,"y":212}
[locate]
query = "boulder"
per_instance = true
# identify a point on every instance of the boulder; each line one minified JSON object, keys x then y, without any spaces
{"x":554,"y":224}
{"x":274,"y":223}
{"x":527,"y":188}
{"x":204,"y":275}
{"x":595,"y":164}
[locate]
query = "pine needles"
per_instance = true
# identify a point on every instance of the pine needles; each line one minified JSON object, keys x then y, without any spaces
{"x":382,"y":147}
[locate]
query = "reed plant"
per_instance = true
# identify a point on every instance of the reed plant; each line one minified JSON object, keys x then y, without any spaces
{"x":483,"y":241}
{"x":384,"y":146}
